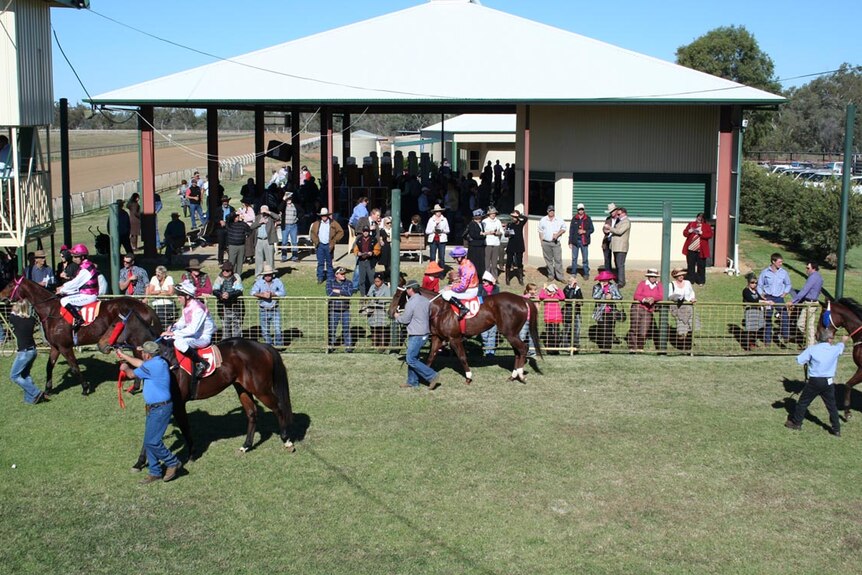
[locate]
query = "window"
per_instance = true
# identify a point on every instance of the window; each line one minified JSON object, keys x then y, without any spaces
{"x":475,"y":162}
{"x":541,"y":192}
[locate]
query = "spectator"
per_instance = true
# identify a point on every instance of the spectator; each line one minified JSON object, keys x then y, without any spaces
{"x":437,"y":232}
{"x":265,"y":238}
{"x":754,"y":320}
{"x":338,"y":288}
{"x":572,"y":313}
{"x":175,"y":236}
{"x":124,"y":227}
{"x":774,"y":285}
{"x":40,"y":272}
{"x":580,"y":231}
{"x":620,"y":232}
{"x":550,"y":230}
{"x":266,"y":289}
{"x":184,"y":200}
{"x":376,"y":310}
{"x":133,"y":280}
{"x":493,"y":231}
{"x":325,"y":233}
{"x":810,"y":293}
{"x":531,"y":292}
{"x":515,"y":247}
{"x":606,"y":313}
{"x":247,"y":214}
{"x":225,"y":214}
{"x":647,"y":294}
{"x":682,"y":294}
{"x":415,"y":226}
{"x":67,"y":268}
{"x":384,"y":239}
{"x":476,"y":242}
{"x":606,"y":236}
{"x":134,"y":208}
{"x":23,"y":324}
{"x":553,"y":315}
{"x":489,"y":336}
{"x":194,"y":196}
{"x":431,"y":279}
{"x":227,"y":288}
{"x":161,"y":287}
{"x":289,"y":228}
{"x":201,"y":281}
{"x":237,"y":234}
{"x":366,"y":250}
{"x":360,"y":210}
{"x":416,"y":316}
{"x":248,"y":192}
{"x":696,"y":248}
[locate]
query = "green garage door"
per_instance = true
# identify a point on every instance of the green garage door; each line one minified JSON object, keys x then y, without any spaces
{"x":643,"y":194}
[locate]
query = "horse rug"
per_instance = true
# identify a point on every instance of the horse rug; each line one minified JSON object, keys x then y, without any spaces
{"x":210,"y":354}
{"x":89,"y":313}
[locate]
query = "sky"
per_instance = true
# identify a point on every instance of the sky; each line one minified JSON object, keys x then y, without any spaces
{"x":108,"y":55}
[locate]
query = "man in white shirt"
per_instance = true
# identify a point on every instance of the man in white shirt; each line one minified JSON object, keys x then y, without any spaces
{"x":550,"y":230}
{"x":493,"y":232}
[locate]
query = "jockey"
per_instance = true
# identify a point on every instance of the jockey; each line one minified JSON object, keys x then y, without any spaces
{"x":467,"y":286}
{"x":194,"y":329}
{"x":83,"y":288}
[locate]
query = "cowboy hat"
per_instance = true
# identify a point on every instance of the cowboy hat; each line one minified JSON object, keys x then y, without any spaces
{"x":651,"y":273}
{"x":194,"y":264}
{"x":433,"y":268}
{"x":605,"y":275}
{"x":611,"y":208}
{"x":39,"y":254}
{"x":341,"y":271}
{"x":678,"y":272}
{"x":323,"y":212}
{"x":551,"y":287}
{"x":438,"y":208}
{"x":266,"y":271}
{"x":411,"y":284}
{"x":492,"y":210}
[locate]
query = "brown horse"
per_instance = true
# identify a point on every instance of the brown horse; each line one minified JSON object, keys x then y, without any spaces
{"x":58,"y":332}
{"x":254,"y":369}
{"x":509,"y":312}
{"x":846,"y":313}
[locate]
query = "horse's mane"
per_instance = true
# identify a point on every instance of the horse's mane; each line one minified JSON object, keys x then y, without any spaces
{"x":852,"y":305}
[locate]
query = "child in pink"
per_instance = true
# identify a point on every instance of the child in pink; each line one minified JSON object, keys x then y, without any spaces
{"x":553,"y":313}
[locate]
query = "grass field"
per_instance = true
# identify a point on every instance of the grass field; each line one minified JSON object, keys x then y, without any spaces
{"x":650,"y":465}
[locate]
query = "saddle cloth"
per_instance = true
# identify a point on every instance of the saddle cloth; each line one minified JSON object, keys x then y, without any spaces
{"x":88,"y":312}
{"x":471,"y":304}
{"x":211,"y":354}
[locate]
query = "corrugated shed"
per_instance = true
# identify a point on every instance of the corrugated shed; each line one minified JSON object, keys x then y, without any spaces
{"x":25,"y":64}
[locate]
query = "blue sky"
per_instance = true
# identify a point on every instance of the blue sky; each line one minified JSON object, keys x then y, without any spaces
{"x":800,"y":38}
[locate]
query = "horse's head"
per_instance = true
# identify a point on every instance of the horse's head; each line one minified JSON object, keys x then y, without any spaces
{"x":12,"y":291}
{"x":399,"y":300}
{"x":128,"y":331}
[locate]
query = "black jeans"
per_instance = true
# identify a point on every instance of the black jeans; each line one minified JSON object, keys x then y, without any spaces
{"x":696,"y":267}
{"x":817,"y":386}
{"x":620,"y":263}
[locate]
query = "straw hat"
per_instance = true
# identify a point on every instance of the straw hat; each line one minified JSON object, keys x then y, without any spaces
{"x":438,"y":208}
{"x":678,"y":272}
{"x":651,"y":273}
{"x":266,"y":271}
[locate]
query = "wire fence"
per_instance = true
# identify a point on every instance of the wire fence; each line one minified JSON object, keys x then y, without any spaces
{"x":308,"y":324}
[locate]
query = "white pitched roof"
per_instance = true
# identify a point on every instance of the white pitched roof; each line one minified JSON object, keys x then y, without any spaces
{"x":562,"y":67}
{"x":475,"y":124}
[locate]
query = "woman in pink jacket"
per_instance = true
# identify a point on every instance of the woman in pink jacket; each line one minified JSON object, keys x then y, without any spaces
{"x":553,"y":314}
{"x":647,"y":294}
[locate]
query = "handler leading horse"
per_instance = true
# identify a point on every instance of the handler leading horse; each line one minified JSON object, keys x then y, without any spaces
{"x":254,"y":369}
{"x":509,"y":312}
{"x":846,"y":313}
{"x":58,"y":332}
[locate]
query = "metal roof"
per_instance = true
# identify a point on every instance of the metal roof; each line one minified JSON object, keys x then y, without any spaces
{"x":475,"y":124}
{"x":556,"y":66}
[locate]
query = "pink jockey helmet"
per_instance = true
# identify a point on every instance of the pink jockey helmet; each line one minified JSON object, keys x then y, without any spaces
{"x":79,"y":250}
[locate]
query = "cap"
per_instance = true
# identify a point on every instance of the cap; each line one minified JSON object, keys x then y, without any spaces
{"x":411,"y":284}
{"x":194,"y":264}
{"x":551,"y":208}
{"x":341,"y":271}
{"x":478,"y":213}
{"x":581,"y":207}
{"x":149,"y":347}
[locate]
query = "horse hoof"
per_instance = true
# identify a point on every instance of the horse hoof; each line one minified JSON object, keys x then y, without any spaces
{"x":510,"y":378}
{"x":468,"y":381}
{"x":289,"y":446}
{"x":243,"y":449}
{"x":85,"y":392}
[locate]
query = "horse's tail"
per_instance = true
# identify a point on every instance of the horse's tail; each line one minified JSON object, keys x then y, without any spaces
{"x":280,"y":385}
{"x":534,"y":327}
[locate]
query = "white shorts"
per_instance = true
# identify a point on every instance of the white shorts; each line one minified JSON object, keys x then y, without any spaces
{"x":468,"y":293}
{"x":184,"y":343}
{"x":78,"y":299}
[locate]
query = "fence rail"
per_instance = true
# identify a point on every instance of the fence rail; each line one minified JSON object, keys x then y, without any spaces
{"x":301,"y":324}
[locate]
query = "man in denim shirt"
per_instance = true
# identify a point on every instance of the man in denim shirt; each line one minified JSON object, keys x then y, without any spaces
{"x":339,"y":287}
{"x":266,"y":288}
{"x":774,"y":285}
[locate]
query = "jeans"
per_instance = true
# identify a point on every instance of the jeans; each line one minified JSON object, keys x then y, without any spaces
{"x":324,"y":262}
{"x":197,"y":209}
{"x":343,"y":318}
{"x":818,"y":386}
{"x":525,"y":337}
{"x":270,"y":323}
{"x":437,"y":251}
{"x":585,"y":256}
{"x":288,"y":234}
{"x":415,"y":367}
{"x":785,"y":319}
{"x":21,"y":374}
{"x":489,"y":340}
{"x":356,"y":278}
{"x":154,"y":431}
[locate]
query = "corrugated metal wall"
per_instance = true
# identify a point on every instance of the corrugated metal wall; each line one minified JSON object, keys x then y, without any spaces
{"x":629,"y":139}
{"x":28,"y":95}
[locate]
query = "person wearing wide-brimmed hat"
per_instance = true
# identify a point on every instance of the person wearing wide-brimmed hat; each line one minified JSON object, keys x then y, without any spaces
{"x":681,"y":292}
{"x":551,"y":228}
{"x":515,"y":247}
{"x":416,"y":316}
{"x":647,"y":294}
{"x":263,"y":230}
{"x":437,"y":232}
{"x":227,"y":288}
{"x":198,"y":278}
{"x":194,"y":328}
{"x":325,"y":233}
{"x":467,"y":284}
{"x":366,"y":250}
{"x":476,"y":241}
{"x":492,"y":229}
{"x":39,"y":271}
{"x":606,"y":313}
{"x":339,"y":289}
{"x":431,"y":279}
{"x":266,"y":289}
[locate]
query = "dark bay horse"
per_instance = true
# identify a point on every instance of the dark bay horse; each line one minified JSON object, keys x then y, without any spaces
{"x":58,"y":332}
{"x":509,"y":312}
{"x":254,"y":369}
{"x":846,"y":313}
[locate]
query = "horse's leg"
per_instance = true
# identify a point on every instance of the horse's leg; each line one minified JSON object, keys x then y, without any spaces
{"x":520,"y":357}
{"x":458,"y":345}
{"x":436,"y":343}
{"x":848,"y":388}
{"x":76,"y":371}
{"x":250,"y":408}
{"x":49,"y":371}
{"x":271,"y":401}
{"x":181,"y":420}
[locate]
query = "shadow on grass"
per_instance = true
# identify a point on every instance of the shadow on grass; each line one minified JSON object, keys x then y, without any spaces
{"x":95,"y":371}
{"x":794,"y":387}
{"x":207,"y":429}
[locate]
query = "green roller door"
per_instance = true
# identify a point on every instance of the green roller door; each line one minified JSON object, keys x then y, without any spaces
{"x":643,"y":194}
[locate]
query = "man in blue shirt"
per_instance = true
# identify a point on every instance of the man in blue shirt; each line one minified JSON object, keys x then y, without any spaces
{"x":337,"y":289}
{"x":156,"y":376}
{"x":810,"y":292}
{"x":266,"y":289}
{"x":774,"y":285}
{"x":821,"y":361}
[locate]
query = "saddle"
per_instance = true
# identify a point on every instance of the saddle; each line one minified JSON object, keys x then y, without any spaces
{"x":211,"y":354}
{"x":89,"y":313}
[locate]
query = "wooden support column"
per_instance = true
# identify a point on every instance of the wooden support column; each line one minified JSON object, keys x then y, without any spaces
{"x":147,"y":157}
{"x":529,"y":240}
{"x":345,"y":139}
{"x":294,"y":140}
{"x":214,"y":197}
{"x":259,"y":148}
{"x":326,"y":155}
{"x":723,"y":185}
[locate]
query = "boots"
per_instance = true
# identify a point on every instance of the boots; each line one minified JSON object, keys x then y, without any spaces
{"x":199,"y":365}
{"x":508,"y":275}
{"x":462,"y":309}
{"x":78,"y":321}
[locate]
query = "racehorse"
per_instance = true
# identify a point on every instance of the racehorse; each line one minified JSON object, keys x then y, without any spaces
{"x":254,"y":369}
{"x":846,"y":313}
{"x":58,"y":332}
{"x":509,"y":312}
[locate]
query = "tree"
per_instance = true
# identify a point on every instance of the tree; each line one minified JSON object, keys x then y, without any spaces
{"x":732,"y":52}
